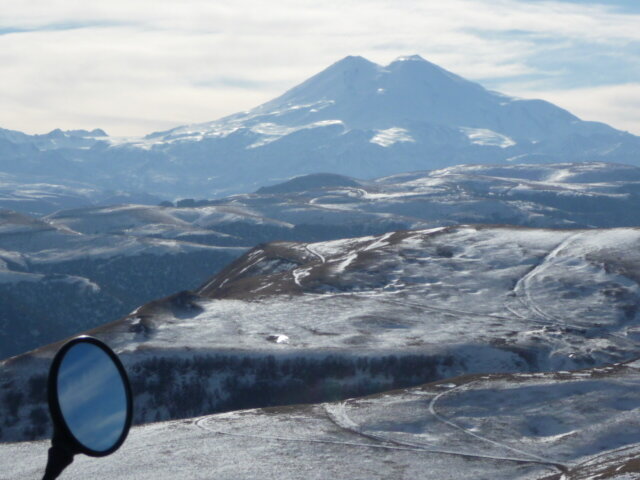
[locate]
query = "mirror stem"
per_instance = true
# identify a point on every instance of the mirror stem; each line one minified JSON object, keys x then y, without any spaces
{"x":60,"y":458}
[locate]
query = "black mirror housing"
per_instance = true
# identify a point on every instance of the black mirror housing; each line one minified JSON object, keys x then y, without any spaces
{"x":90,"y":403}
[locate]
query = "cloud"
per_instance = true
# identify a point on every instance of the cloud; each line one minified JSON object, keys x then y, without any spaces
{"x":135,"y":67}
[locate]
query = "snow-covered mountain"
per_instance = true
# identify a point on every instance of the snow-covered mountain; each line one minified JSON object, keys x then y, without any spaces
{"x":55,"y":139}
{"x":355,"y":118}
{"x":40,"y":174}
{"x":361,"y":119}
{"x":400,"y":102}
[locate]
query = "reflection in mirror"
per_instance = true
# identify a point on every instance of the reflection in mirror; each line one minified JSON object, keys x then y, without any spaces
{"x":92,"y":397}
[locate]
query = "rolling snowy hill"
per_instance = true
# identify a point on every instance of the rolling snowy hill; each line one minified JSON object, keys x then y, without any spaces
{"x":106,"y":261}
{"x":305,"y":323}
{"x":32,"y":198}
{"x":557,"y":196}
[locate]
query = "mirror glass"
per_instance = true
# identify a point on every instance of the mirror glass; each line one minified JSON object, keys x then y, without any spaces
{"x":92,"y":396}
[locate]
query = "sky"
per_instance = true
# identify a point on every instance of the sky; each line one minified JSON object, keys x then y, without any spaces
{"x":134,"y":67}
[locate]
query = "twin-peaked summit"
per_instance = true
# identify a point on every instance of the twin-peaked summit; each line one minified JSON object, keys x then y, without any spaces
{"x":362,"y":119}
{"x":409,"y":93}
{"x":412,"y":90}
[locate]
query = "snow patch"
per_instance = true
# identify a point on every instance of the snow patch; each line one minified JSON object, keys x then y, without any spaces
{"x":278,"y":338}
{"x":386,"y":138}
{"x":343,"y":264}
{"x":486,"y":137}
{"x":273,"y":132}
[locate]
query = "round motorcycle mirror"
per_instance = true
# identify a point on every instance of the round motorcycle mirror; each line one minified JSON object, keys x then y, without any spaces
{"x":90,"y":403}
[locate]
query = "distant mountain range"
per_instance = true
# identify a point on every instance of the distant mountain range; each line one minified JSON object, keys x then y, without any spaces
{"x":355,"y":118}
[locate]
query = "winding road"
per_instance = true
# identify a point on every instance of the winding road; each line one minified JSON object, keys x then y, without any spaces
{"x":338,"y":415}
